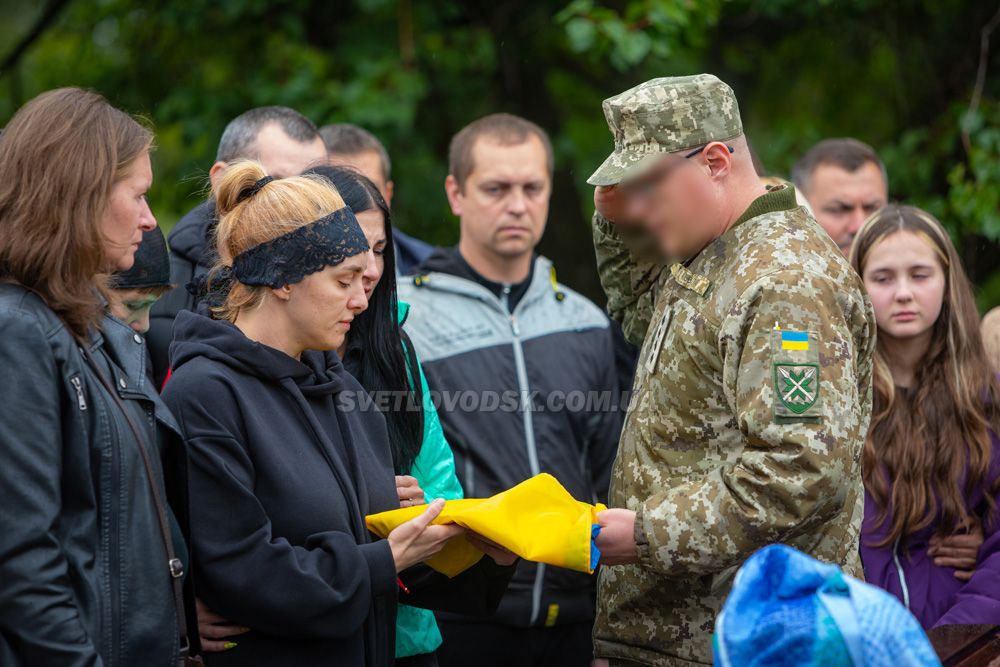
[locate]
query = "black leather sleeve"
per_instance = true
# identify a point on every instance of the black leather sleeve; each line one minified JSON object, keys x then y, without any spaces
{"x":39,"y":618}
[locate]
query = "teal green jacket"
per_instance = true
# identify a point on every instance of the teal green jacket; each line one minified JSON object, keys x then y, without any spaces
{"x":434,"y":469}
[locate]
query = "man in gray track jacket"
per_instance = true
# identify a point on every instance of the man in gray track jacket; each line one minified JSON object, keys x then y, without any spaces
{"x":523,"y":372}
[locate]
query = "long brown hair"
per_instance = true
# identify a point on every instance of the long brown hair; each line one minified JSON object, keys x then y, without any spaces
{"x":928,"y":450}
{"x":278,"y":208}
{"x":60,"y":156}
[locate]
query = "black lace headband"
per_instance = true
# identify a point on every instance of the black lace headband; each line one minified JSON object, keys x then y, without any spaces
{"x":291,"y":257}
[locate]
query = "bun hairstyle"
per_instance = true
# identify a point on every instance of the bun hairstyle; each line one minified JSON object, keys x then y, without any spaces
{"x":279,"y":207}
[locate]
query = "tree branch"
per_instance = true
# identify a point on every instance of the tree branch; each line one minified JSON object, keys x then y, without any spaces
{"x":977,"y":91}
{"x":48,"y":16}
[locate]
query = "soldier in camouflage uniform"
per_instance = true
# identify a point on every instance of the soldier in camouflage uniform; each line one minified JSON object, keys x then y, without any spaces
{"x":753,"y":392}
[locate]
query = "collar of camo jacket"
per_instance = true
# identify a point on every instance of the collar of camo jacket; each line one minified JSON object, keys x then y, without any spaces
{"x":777,"y":198}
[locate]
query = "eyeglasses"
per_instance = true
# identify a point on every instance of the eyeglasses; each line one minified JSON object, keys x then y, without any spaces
{"x":698,"y":150}
{"x":646,"y":185}
{"x":139,"y":305}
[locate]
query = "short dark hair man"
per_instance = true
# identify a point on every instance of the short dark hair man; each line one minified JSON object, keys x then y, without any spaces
{"x":352,"y":146}
{"x":286,"y":143}
{"x":844,"y":182}
{"x":490,"y":322}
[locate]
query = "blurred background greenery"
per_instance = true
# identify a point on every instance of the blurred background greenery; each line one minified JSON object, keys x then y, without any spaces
{"x":916,"y":79}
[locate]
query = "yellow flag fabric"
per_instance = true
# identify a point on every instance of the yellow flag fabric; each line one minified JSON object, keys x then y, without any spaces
{"x":537,"y":519}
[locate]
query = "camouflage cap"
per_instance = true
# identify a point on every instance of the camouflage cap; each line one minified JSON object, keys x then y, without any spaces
{"x":662,"y":116}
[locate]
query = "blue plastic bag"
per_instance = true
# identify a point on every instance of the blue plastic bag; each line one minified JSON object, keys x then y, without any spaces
{"x":787,"y":608}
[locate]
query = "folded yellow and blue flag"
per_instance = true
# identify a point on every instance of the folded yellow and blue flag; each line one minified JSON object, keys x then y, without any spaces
{"x":537,"y":519}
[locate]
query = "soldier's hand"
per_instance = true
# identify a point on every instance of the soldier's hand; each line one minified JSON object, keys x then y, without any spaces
{"x":610,"y":202}
{"x":616,"y":541}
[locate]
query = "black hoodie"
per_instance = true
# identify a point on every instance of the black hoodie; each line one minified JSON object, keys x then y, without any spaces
{"x":190,"y":256}
{"x":284,"y":466}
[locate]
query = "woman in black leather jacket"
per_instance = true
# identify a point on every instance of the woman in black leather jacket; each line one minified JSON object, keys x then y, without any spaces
{"x":86,"y":535}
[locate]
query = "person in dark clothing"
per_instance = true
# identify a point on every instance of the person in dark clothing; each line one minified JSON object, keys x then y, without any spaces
{"x":380,"y":355}
{"x":524,"y":373}
{"x":352,"y":146}
{"x":626,"y":360}
{"x":284,"y":466}
{"x":132,"y":293}
{"x":91,"y":555}
{"x":286,"y":143}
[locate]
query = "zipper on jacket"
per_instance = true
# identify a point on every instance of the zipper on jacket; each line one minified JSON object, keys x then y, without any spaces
{"x":470,"y":474}
{"x":901,"y":574}
{"x":114,"y":557}
{"x":78,"y":385}
{"x":529,"y":436}
{"x":114,"y":541}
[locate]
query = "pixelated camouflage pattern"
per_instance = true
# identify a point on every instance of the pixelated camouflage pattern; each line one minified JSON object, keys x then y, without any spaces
{"x":662,"y":116}
{"x":707,"y":461}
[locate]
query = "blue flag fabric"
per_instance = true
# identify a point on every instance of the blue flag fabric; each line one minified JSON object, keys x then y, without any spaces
{"x":787,"y":608}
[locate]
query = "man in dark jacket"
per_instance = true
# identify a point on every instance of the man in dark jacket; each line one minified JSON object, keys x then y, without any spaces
{"x":523,"y":373}
{"x":286,"y":143}
{"x":355,"y":147}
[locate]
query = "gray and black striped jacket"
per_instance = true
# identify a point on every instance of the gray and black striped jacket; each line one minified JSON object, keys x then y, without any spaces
{"x":519,"y":393}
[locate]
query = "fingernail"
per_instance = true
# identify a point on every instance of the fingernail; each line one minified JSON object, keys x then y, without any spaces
{"x":228,"y":645}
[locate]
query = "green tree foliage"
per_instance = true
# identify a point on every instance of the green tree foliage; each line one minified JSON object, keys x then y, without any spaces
{"x":901,"y":76}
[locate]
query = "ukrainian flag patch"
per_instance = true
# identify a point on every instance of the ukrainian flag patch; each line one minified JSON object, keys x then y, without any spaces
{"x":797,"y":366}
{"x":794,"y":340}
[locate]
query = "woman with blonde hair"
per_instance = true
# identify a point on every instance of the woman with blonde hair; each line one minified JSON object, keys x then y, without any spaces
{"x":932,"y":458}
{"x":92,"y":557}
{"x":284,"y":463}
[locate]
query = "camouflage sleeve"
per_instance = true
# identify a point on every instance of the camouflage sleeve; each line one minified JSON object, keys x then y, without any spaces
{"x":630,"y":269}
{"x":605,"y":424}
{"x":796,"y":397}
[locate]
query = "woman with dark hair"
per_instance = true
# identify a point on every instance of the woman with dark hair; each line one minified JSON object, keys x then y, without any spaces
{"x":378,"y":352}
{"x":931,"y":462}
{"x":91,"y":555}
